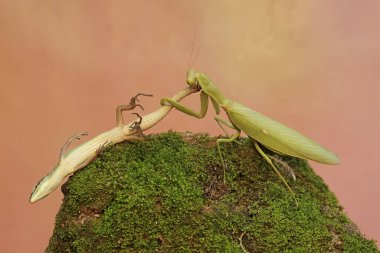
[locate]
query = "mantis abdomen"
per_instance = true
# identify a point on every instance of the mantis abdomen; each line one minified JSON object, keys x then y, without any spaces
{"x":277,"y":136}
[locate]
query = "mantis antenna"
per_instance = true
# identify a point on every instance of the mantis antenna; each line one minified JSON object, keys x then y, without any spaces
{"x":191,"y":59}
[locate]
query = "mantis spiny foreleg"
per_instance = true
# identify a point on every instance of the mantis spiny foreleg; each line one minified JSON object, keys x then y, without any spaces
{"x":188,"y":111}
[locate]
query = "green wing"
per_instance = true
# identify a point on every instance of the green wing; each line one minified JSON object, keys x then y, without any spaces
{"x":277,"y":136}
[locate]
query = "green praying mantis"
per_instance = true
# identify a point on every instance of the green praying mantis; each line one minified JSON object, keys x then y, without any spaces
{"x":260,"y":128}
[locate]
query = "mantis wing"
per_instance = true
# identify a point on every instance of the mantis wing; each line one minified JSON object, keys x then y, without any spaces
{"x":276,"y":136}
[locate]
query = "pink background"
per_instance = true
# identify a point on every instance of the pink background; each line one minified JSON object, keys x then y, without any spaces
{"x":65,"y":65}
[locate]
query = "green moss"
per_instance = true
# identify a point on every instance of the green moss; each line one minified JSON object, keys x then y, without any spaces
{"x":166,"y":194}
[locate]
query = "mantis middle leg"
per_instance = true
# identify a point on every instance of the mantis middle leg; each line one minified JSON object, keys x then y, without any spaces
{"x":231,"y":138}
{"x":222,"y":122}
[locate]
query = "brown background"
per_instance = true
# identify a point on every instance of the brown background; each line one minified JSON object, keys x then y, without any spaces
{"x":65,"y":65}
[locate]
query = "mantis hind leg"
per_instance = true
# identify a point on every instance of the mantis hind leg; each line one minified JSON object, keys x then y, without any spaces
{"x":218,"y":141}
{"x":275,"y":169}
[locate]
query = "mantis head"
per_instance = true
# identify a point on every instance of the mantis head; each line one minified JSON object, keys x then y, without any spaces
{"x":192,"y":80}
{"x":45,"y":186}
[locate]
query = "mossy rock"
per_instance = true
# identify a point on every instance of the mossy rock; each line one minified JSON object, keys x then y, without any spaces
{"x":167,"y":194}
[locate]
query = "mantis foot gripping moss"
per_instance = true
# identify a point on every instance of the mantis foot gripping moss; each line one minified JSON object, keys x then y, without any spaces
{"x":260,"y":128}
{"x":82,"y":155}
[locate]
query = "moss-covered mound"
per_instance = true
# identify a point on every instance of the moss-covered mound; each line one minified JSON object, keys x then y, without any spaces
{"x":167,"y":194}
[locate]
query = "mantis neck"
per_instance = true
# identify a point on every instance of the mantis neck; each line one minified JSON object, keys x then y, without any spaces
{"x":220,"y":99}
{"x":212,"y":90}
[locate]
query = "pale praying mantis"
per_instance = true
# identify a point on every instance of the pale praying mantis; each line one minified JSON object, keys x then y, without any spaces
{"x":261,"y":129}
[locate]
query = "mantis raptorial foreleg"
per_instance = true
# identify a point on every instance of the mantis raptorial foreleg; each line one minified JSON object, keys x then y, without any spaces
{"x":204,"y":107}
{"x":275,"y":169}
{"x":188,"y":111}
